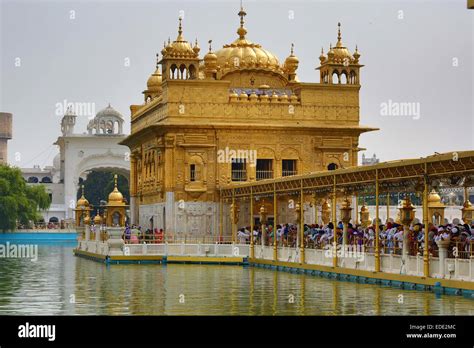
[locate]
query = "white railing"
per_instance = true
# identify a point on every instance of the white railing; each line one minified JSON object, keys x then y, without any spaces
{"x":181,"y":249}
{"x":457,"y":269}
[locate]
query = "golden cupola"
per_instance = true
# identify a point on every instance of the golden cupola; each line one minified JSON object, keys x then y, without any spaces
{"x":82,"y":210}
{"x":180,"y":59}
{"x":210,"y":63}
{"x":82,"y":202}
{"x":115,"y":197}
{"x":434,"y":200}
{"x":97,"y":219}
{"x":154,"y":81}
{"x":179,"y":48}
{"x":340,"y":52}
{"x":291,"y":65}
{"x":243,"y":54}
{"x":339,"y":66}
{"x":153,"y":85}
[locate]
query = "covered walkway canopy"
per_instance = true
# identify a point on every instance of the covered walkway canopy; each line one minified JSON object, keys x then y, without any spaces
{"x":440,"y":171}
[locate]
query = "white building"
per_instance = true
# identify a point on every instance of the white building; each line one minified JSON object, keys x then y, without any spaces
{"x":96,"y":149}
{"x":368,"y":161}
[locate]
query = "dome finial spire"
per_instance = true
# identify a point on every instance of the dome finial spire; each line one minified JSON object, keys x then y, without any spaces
{"x":292,"y":48}
{"x":180,"y":28}
{"x":210,"y":45}
{"x":115,"y":181}
{"x":339,"y":36}
{"x":242,"y":31}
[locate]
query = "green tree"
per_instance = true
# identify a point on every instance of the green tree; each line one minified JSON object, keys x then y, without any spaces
{"x":19,"y":202}
{"x":99,"y":184}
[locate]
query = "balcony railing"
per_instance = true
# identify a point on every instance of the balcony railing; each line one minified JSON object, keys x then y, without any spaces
{"x":288,"y":172}
{"x":239,"y":175}
{"x":264,"y":174}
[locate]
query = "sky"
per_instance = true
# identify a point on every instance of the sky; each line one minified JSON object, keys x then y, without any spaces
{"x":417,"y":54}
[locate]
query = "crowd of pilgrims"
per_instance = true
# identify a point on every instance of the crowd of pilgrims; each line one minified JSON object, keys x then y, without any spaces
{"x":461,"y":237}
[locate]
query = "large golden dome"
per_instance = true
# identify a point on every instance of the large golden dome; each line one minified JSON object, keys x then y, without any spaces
{"x":244,"y":54}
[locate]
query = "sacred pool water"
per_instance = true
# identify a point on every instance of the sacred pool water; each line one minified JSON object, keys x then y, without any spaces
{"x":61,"y":284}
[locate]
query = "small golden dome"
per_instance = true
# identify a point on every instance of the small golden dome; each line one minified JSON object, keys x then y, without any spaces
{"x":364,"y":209}
{"x":87,"y":220}
{"x":340,"y":52}
{"x":322,"y":57}
{"x":196,"y":48}
{"x":82,"y":202}
{"x":434,"y":197}
{"x":115,"y":196}
{"x":154,"y":81}
{"x":179,"y":48}
{"x":434,"y":200}
{"x":291,"y":62}
{"x":210,"y":57}
{"x":97,"y":219}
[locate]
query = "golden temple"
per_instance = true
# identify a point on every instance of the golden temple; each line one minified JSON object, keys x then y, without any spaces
{"x":236,"y":115}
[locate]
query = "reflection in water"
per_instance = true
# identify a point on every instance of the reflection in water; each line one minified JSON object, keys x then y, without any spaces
{"x":60,"y":283}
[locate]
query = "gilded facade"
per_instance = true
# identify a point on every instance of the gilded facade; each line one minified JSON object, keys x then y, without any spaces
{"x":235,"y":115}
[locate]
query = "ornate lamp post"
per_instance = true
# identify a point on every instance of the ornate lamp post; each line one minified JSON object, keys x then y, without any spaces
{"x":346,"y":215}
{"x":300,"y":236}
{"x":364,"y":215}
{"x":467,"y":209}
{"x":263,"y":220}
{"x":234,"y":216}
{"x":435,"y":208}
{"x":326,"y":212}
{"x":407,"y":214}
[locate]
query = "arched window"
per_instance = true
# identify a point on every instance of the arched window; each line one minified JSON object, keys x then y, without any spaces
{"x":116,"y":218}
{"x":192,"y":72}
{"x":332,"y":166}
{"x":33,"y":180}
{"x":335,"y":77}
{"x":183,"y":72}
{"x":353,"y":77}
{"x":46,"y":180}
{"x":344,"y":79}
{"x":173,"y":71}
{"x":110,"y":127}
